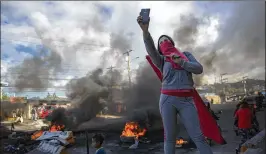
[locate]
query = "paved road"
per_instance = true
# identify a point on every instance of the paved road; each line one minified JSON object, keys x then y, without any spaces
{"x":226,"y":123}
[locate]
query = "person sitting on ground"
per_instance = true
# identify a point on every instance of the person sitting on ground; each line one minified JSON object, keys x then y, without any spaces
{"x":244,"y":116}
{"x":97,"y":141}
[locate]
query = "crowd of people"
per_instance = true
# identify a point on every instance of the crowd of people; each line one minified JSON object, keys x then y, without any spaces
{"x":41,"y":112}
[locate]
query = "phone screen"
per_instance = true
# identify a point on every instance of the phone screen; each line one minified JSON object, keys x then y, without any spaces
{"x":145,"y":13}
{"x":176,"y":57}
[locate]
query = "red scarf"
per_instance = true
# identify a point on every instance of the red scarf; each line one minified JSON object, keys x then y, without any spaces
{"x":168,"y":49}
{"x":207,"y":123}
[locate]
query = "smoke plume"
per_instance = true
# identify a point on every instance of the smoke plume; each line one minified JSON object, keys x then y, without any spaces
{"x":240,"y":42}
{"x":120,"y":44}
{"x":239,"y":47}
{"x":39,"y":72}
{"x":185,"y":35}
{"x":90,"y":93}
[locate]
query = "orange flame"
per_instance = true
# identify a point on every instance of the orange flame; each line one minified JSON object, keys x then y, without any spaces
{"x":55,"y":128}
{"x":181,"y":142}
{"x":36,"y":135}
{"x":132,"y":129}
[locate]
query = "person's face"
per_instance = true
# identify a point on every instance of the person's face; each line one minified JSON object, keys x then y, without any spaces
{"x":164,"y":38}
{"x":95,"y":144}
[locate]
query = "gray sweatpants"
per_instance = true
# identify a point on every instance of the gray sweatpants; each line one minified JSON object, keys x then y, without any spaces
{"x":170,"y":106}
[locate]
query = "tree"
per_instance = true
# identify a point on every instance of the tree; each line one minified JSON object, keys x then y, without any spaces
{"x":5,"y":97}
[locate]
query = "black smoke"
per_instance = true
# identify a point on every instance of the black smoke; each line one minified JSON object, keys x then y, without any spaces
{"x":240,"y":42}
{"x":90,"y":94}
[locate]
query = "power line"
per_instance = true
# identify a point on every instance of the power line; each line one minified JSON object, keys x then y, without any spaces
{"x":67,"y":68}
{"x":56,"y":87}
{"x":65,"y":44}
{"x":33,"y":90}
{"x":56,"y":78}
{"x":62,"y":69}
{"x":32,"y":37}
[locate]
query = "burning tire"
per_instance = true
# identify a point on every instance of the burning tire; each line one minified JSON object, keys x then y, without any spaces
{"x":180,"y":142}
{"x":131,"y":132}
{"x":127,"y":139}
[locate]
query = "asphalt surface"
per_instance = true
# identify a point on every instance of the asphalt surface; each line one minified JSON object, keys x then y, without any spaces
{"x":112,"y":146}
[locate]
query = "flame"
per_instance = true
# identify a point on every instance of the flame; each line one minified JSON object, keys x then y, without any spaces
{"x":36,"y":135}
{"x":181,"y":142}
{"x":55,"y":128}
{"x":132,"y":129}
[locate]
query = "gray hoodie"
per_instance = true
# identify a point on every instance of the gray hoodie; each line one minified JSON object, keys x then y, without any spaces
{"x":172,"y":78}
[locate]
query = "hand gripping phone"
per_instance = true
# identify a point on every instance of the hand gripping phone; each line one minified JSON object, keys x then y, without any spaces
{"x":145,"y":13}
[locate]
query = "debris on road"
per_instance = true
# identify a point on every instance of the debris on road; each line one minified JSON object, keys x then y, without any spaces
{"x":131,"y":133}
{"x":55,"y":142}
{"x":255,"y":144}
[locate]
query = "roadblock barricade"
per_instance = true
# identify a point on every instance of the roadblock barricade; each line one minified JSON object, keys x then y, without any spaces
{"x":255,"y":145}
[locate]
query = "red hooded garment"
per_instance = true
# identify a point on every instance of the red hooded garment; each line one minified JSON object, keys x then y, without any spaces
{"x":208,"y":125}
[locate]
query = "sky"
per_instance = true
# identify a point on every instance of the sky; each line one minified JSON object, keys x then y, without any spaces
{"x":80,"y":32}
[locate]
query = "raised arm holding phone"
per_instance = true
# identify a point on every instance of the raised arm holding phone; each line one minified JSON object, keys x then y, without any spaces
{"x":178,"y":96}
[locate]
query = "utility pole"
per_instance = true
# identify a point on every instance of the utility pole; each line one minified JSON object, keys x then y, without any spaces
{"x":111,"y":105}
{"x":112,"y":78}
{"x":111,"y":82}
{"x":223,"y":86}
{"x":244,"y":83}
{"x":221,"y":77}
{"x":128,"y":66}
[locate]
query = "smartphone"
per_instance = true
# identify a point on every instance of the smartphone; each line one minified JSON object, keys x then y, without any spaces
{"x":174,"y":56}
{"x":145,"y":13}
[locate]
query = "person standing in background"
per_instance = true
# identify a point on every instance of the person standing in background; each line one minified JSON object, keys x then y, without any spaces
{"x":14,"y":114}
{"x":244,"y":122}
{"x":33,"y":113}
{"x":97,"y":141}
{"x":259,"y":99}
